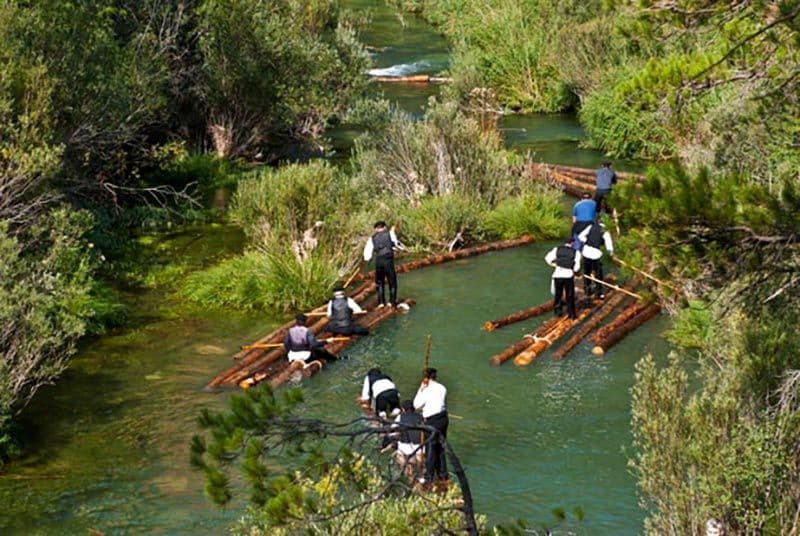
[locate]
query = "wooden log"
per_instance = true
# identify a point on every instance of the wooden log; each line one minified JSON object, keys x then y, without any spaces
{"x":413,"y":79}
{"x":625,"y":315}
{"x":527,"y":356}
{"x":617,"y":335}
{"x":515,"y":349}
{"x":519,"y":316}
{"x":574,"y":183}
{"x":453,"y":255}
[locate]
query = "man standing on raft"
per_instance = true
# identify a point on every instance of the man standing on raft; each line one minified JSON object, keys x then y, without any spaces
{"x":382,"y":244}
{"x":432,"y":400}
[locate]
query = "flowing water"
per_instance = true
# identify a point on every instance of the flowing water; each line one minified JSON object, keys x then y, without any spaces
{"x":108,"y":445}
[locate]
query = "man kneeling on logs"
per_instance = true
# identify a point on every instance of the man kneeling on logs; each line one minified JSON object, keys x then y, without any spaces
{"x":593,"y":237}
{"x":380,"y":391}
{"x":340,"y":311}
{"x":567,"y":263}
{"x":301,"y":345}
{"x":409,"y":441}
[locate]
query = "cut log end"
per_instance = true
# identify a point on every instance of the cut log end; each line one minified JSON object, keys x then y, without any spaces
{"x":598,"y":350}
{"x":488,"y":326}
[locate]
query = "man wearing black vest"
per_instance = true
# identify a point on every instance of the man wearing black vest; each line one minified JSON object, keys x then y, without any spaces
{"x":340,"y":312}
{"x":382,"y":245}
{"x":380,"y":391}
{"x":593,"y":238}
{"x":301,"y":345}
{"x":567,"y":262}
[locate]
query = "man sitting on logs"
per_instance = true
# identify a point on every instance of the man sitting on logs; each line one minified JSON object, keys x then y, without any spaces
{"x":605,"y":178}
{"x":583,"y":215}
{"x":301,"y":345}
{"x":382,"y":244}
{"x":340,"y":311}
{"x":431,"y":398}
{"x":593,"y":237}
{"x":567,"y":262}
{"x":380,"y":391}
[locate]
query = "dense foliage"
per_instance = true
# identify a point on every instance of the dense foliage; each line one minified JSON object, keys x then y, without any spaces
{"x":99,"y":102}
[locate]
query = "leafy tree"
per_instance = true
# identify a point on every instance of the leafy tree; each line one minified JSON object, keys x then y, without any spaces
{"x":310,"y":476}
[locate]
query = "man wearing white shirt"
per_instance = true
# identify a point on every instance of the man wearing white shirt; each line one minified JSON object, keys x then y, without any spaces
{"x":380,"y":391}
{"x":593,"y":238}
{"x":567,"y":263}
{"x":431,"y":398}
{"x":382,"y":245}
{"x":340,"y":312}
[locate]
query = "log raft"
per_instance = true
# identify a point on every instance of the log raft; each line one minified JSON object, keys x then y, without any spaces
{"x":280,"y":371}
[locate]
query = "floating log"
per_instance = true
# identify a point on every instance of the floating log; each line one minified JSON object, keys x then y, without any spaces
{"x":624,"y":316}
{"x":574,"y":183}
{"x":515,"y":349}
{"x":527,"y":356}
{"x":617,"y":335}
{"x":413,"y":79}
{"x":519,"y":316}
{"x":454,"y":255}
{"x":611,"y":303}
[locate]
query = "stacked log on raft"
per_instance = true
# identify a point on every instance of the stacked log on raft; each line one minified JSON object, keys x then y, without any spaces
{"x":540,"y":344}
{"x":515,"y":349}
{"x":613,"y":337}
{"x":453,"y":256}
{"x":574,"y":181}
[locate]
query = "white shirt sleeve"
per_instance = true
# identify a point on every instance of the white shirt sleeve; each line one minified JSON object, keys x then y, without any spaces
{"x":550,"y":258}
{"x":368,"y":250}
{"x":419,"y":399}
{"x":583,"y":235}
{"x":351,"y":303}
{"x":365,"y":389}
{"x":330,"y":308}
{"x":576,"y":267}
{"x":608,"y":242}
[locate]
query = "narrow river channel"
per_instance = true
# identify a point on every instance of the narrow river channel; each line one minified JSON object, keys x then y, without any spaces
{"x":108,"y":445}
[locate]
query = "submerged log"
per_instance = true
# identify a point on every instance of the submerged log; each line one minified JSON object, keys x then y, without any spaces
{"x":519,"y":316}
{"x":626,"y":314}
{"x":454,"y":255}
{"x":617,"y":335}
{"x":527,"y":356}
{"x":515,"y":349}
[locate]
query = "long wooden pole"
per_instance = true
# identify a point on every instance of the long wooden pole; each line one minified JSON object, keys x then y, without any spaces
{"x":643,"y":273}
{"x":279,"y":344}
{"x":615,"y":287}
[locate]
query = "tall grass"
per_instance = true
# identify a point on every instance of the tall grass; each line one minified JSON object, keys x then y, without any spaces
{"x":435,"y":222}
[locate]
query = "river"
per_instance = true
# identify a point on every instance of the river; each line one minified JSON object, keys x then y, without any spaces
{"x":108,"y":444}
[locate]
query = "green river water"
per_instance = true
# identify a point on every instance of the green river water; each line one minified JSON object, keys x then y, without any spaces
{"x":108,"y":445}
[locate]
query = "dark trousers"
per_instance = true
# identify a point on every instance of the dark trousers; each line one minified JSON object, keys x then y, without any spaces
{"x":321,"y":354}
{"x":352,"y":329}
{"x":564,"y":286}
{"x":387,"y":401}
{"x":384,"y":269}
{"x":595,"y":269}
{"x":435,"y":460}
{"x":600,"y":198}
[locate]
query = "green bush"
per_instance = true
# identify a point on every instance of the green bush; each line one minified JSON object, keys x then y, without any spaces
{"x":539,"y":213}
{"x":275,"y":281}
{"x":435,"y":221}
